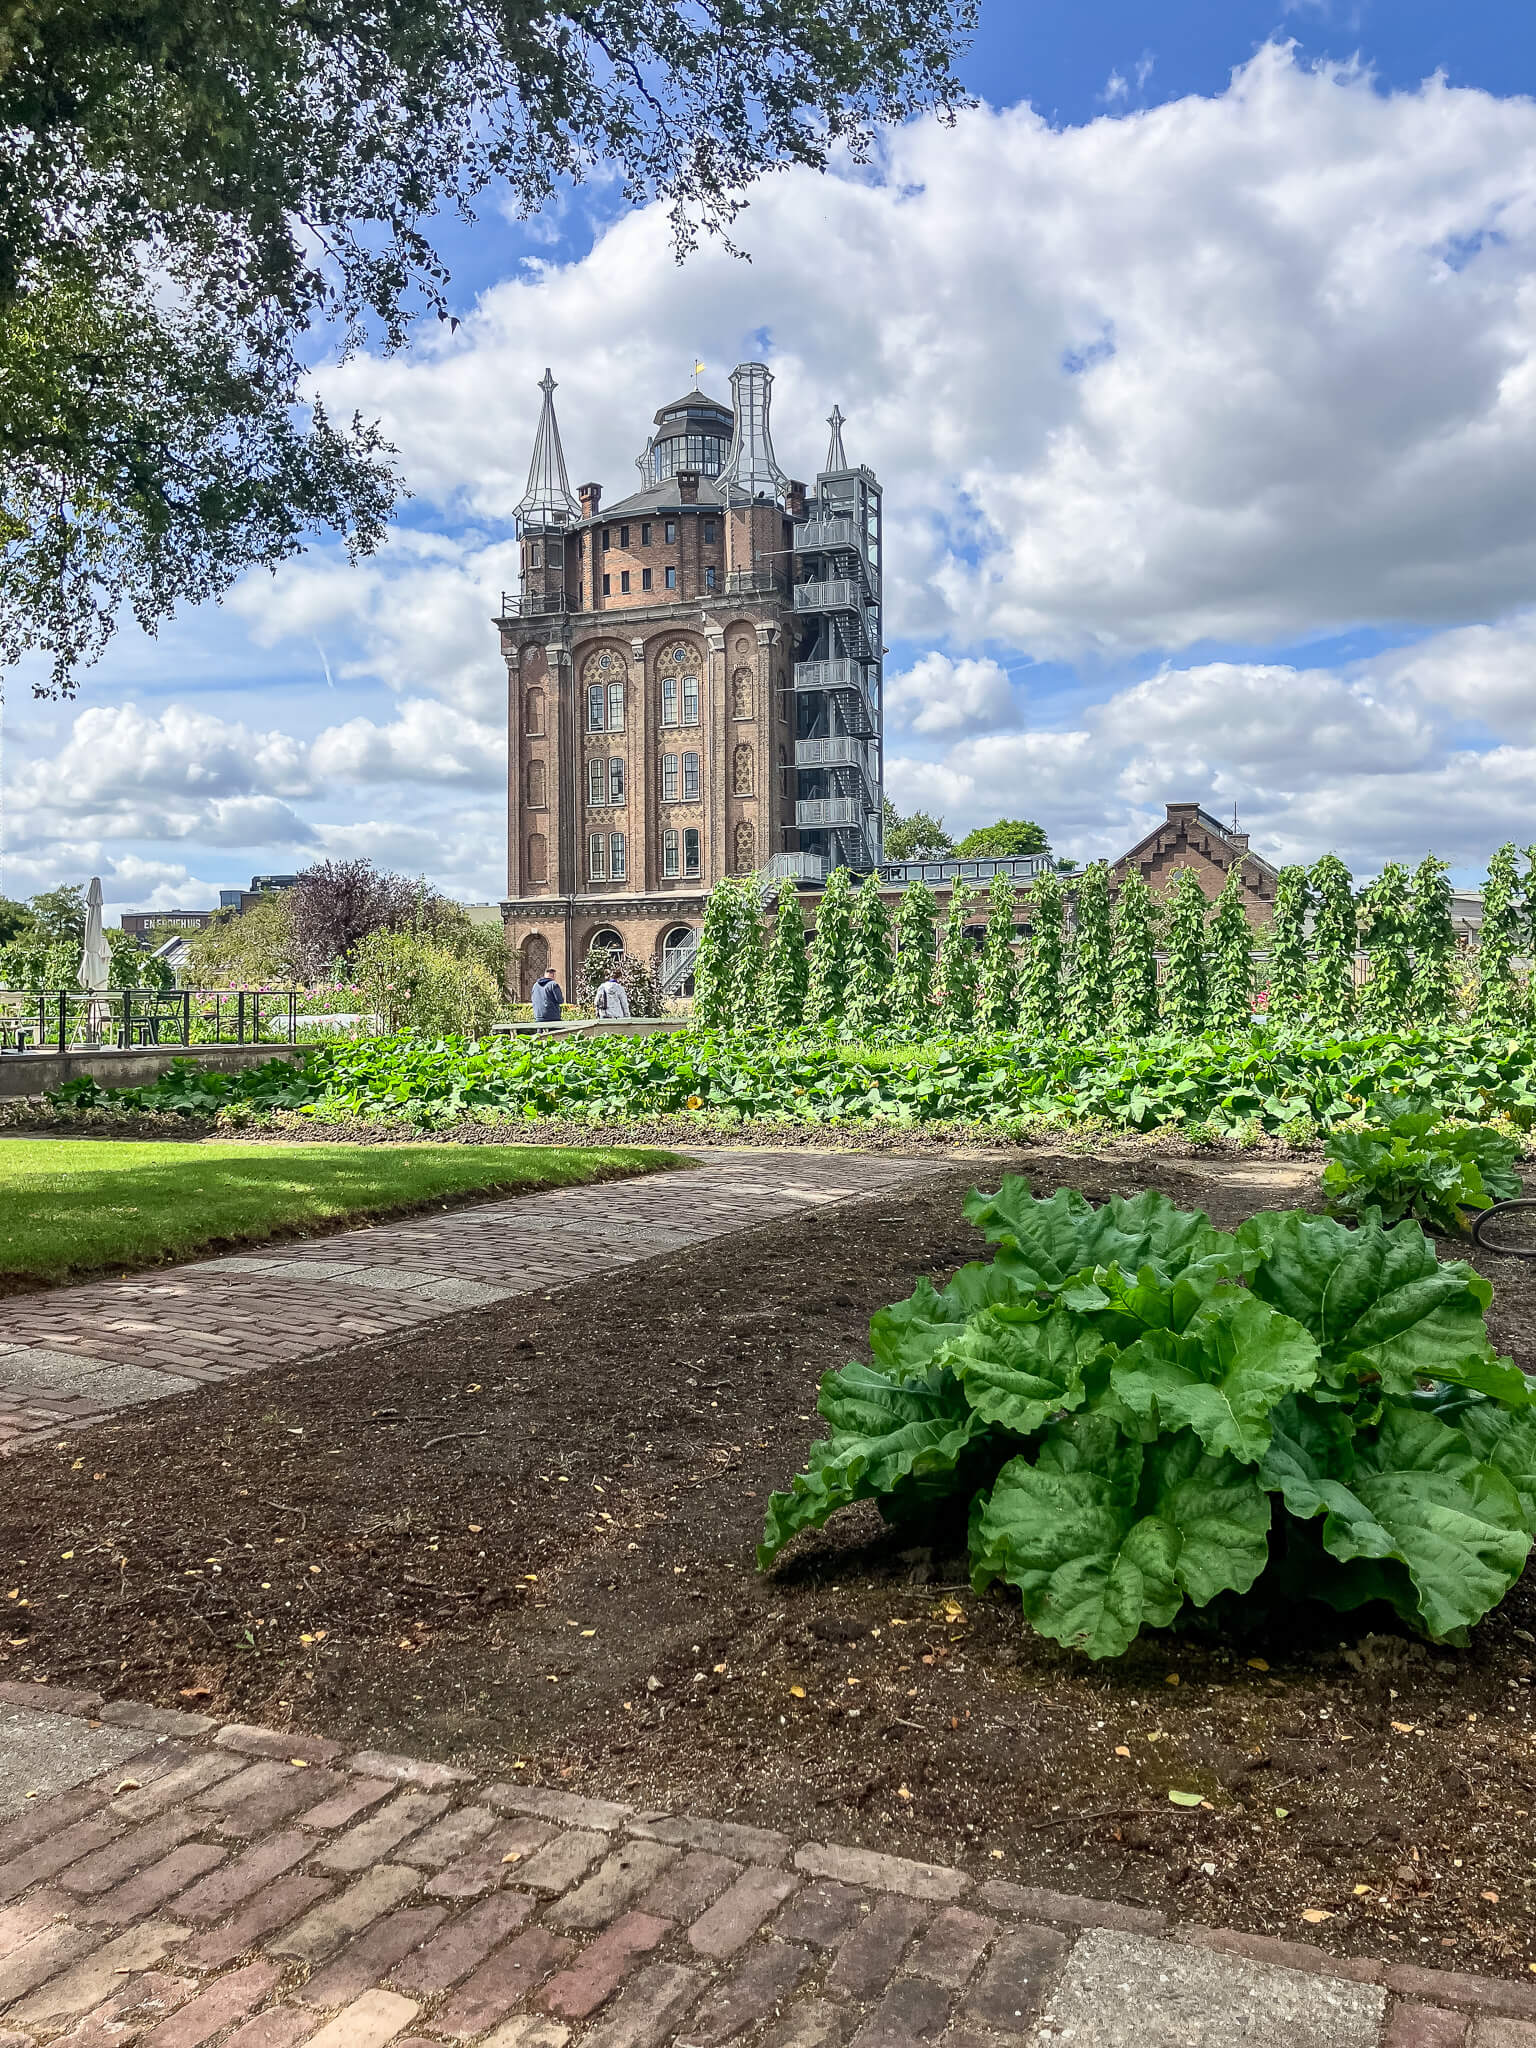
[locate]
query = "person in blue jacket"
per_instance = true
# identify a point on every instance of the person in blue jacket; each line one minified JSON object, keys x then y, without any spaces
{"x":547,"y":998}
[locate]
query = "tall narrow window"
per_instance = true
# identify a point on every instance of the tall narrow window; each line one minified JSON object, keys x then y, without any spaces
{"x":594,"y":707}
{"x":690,"y":778}
{"x":607,"y":538}
{"x":537,"y":871}
{"x":709,"y":577}
{"x":669,"y":853}
{"x":691,"y":851}
{"x":623,"y":583}
{"x":709,"y":533}
{"x":669,"y":778}
{"x":597,"y":856}
{"x":607,"y":586}
{"x":645,"y":579}
{"x":671,"y":579}
{"x":615,"y":707}
{"x":745,"y":847}
{"x":617,"y":871}
{"x":597,"y":781}
{"x":623,"y":536}
{"x":669,"y":700}
{"x":691,"y":697}
{"x":616,"y":780}
{"x":645,"y":534}
{"x":536,"y":797}
{"x":535,"y":555}
{"x":671,"y":531}
{"x":533,"y":714}
{"x":741,"y":772}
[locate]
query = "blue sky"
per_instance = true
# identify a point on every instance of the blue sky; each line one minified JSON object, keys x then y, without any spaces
{"x":1200,"y":366}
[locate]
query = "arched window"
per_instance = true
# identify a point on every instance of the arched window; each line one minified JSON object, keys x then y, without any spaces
{"x":605,"y":940}
{"x":741,"y":772}
{"x":745,"y":848}
{"x":675,"y":946}
{"x":537,"y":857}
{"x":533,"y":714}
{"x":741,"y":693}
{"x":536,"y":797}
{"x":677,"y":673}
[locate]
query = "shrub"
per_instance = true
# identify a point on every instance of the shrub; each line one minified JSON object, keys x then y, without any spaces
{"x":1134,"y":1410}
{"x":957,"y":965}
{"x":1432,"y":937}
{"x":867,"y":1005}
{"x":1184,"y":982}
{"x":1041,"y":996}
{"x":1286,"y":986}
{"x":633,"y":976}
{"x":827,"y":987}
{"x":997,"y":998}
{"x":1090,"y":994}
{"x":1231,"y":974}
{"x":1331,"y":984}
{"x":787,"y":970}
{"x":412,"y":986}
{"x":1134,"y":957}
{"x":1384,"y":915}
{"x":917,"y":917}
{"x":1415,"y":1165}
{"x":714,"y":964}
{"x":1498,"y":941}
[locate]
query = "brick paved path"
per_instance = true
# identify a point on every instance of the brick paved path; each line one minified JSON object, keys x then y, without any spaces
{"x":180,"y":1885}
{"x":76,"y":1355}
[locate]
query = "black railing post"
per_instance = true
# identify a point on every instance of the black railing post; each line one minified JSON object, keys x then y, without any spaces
{"x":240,"y":1018}
{"x":186,"y":1016}
{"x":125,"y":1036}
{"x":293,"y":1016}
{"x":63,"y":1024}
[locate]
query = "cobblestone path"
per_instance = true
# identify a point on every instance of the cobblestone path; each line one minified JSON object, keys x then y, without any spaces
{"x":76,"y":1355}
{"x":175,"y":1884}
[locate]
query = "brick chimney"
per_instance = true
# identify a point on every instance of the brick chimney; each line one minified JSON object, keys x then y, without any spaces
{"x":1239,"y":840}
{"x":591,"y":499}
{"x":794,"y":500}
{"x":688,"y":486}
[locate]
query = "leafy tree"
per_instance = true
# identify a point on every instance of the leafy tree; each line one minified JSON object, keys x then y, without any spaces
{"x":1134,"y":956}
{"x":334,"y":905}
{"x":1090,"y":995}
{"x":14,"y":918}
{"x":1231,"y":972}
{"x":714,"y":965}
{"x":195,"y":196}
{"x":787,"y":971}
{"x":997,"y":1001}
{"x":1387,"y":997}
{"x":831,"y":951}
{"x":957,"y":965}
{"x":251,"y":950}
{"x":1288,"y":948}
{"x":1432,"y":937}
{"x":1008,"y":839}
{"x":1041,"y":995}
{"x":1498,"y":942}
{"x":870,"y":966}
{"x":59,"y":914}
{"x":917,"y":916}
{"x":751,"y":953}
{"x":413,"y":985}
{"x":1331,"y":985}
{"x":1185,"y":981}
{"x":919,"y":836}
{"x":637,"y":980}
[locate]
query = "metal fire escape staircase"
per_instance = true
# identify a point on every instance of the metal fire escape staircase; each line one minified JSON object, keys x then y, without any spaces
{"x":838,"y":672}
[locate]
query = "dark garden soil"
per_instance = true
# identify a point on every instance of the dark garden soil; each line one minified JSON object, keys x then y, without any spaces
{"x":524,"y":1539}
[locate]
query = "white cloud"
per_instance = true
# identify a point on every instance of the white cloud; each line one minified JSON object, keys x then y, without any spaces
{"x":939,"y":696}
{"x":428,"y":742}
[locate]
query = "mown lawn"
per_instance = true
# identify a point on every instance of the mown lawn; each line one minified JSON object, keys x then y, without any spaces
{"x":77,"y":1205}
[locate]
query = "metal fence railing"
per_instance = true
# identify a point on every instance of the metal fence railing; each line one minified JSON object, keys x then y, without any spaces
{"x":73,"y":1020}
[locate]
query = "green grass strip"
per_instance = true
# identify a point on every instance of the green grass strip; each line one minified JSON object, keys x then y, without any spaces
{"x":77,"y":1205}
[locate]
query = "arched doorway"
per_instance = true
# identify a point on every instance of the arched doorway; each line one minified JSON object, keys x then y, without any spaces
{"x":675,"y":945}
{"x":533,"y":958}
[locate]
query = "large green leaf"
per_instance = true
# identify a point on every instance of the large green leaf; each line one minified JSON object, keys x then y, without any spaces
{"x":1124,"y":1306}
{"x":1103,"y":1538}
{"x":1019,"y":1366}
{"x":1377,"y":1301}
{"x":1055,"y":1238}
{"x":884,"y":1436}
{"x":906,"y":1337}
{"x":1221,"y":1377}
{"x":1506,"y":1439}
{"x":1413,"y":1491}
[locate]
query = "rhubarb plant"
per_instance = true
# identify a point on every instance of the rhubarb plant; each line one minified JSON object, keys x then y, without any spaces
{"x":1139,"y":1413}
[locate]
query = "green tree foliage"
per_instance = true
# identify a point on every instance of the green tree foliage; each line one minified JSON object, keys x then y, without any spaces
{"x":197,"y":198}
{"x":1185,"y":988}
{"x":14,"y":918}
{"x":1288,"y":945}
{"x":1008,"y":839}
{"x":1090,"y":994}
{"x":1499,"y":938}
{"x":831,"y":951}
{"x":1134,"y":957}
{"x":917,"y":916}
{"x":637,"y":980}
{"x":870,"y":966}
{"x":957,"y":965}
{"x":250,"y":949}
{"x":1231,"y":968}
{"x":751,"y":959}
{"x":1385,"y":906}
{"x":714,"y":965}
{"x":1432,"y":937}
{"x":919,"y":836}
{"x":1042,"y":995}
{"x":1331,"y":984}
{"x":997,"y":1000}
{"x":413,"y":985}
{"x":788,"y":970}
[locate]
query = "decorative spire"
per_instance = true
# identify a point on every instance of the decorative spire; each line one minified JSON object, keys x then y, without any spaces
{"x":645,"y":463}
{"x":836,"y":459}
{"x":547,"y":500}
{"x":751,"y":465}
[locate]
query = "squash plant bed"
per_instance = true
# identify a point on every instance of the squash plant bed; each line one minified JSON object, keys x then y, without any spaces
{"x":571,"y":1596}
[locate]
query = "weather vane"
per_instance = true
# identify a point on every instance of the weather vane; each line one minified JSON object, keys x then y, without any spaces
{"x":698,"y":371}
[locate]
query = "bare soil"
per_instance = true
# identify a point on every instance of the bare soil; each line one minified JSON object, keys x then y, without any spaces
{"x":523,"y":1539}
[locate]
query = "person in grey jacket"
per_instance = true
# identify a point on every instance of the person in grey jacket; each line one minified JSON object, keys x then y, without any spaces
{"x":611,"y":1000}
{"x":547,"y":999}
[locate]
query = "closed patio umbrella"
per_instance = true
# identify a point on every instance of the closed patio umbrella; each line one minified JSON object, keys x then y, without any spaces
{"x":95,"y":961}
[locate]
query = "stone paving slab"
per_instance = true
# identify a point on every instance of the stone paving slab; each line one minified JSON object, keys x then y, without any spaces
{"x":176,"y":1915}
{"x":77,"y":1355}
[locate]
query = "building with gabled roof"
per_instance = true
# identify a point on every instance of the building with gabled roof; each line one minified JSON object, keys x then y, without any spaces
{"x":1190,"y":837}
